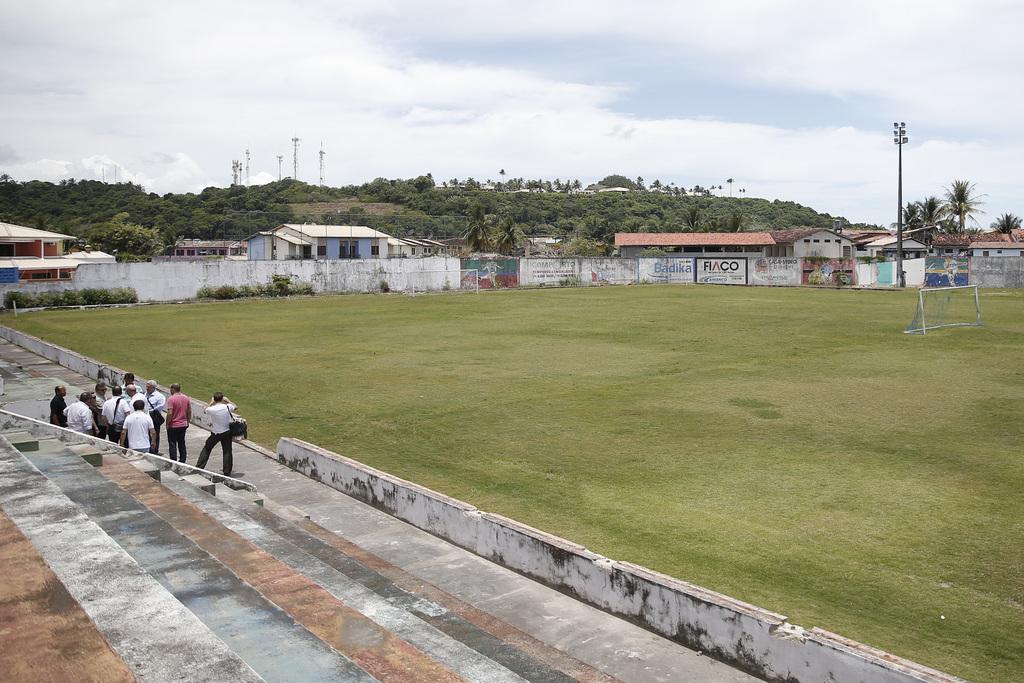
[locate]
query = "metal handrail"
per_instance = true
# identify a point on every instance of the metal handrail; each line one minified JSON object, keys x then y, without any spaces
{"x":111,"y":446}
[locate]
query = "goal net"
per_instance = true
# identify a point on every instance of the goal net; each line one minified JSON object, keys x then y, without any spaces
{"x":946,"y":307}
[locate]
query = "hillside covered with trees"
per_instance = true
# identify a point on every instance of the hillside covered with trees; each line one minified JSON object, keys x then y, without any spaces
{"x":104,"y":212}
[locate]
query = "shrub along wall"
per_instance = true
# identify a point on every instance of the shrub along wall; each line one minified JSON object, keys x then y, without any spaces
{"x":82,"y":297}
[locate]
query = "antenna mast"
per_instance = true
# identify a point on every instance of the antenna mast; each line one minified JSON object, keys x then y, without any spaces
{"x":247,"y":167}
{"x":295,"y":157}
{"x":280,"y":159}
{"x":322,"y":153}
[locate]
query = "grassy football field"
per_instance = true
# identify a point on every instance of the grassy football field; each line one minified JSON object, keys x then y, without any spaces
{"x":788,"y":447}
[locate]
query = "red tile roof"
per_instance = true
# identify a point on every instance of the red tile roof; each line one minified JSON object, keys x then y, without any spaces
{"x":693,"y":239}
{"x":988,"y":244}
{"x":952,"y":240}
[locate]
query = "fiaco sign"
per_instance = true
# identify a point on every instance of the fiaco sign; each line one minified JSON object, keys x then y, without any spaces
{"x":722,"y":271}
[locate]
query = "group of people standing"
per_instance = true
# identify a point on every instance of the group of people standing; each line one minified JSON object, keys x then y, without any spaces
{"x":133,"y":419}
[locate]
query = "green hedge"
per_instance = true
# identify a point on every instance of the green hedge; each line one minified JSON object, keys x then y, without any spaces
{"x":280,"y":285}
{"x":84,"y":297}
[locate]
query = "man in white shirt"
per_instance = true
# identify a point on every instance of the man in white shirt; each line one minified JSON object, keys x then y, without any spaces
{"x":220,"y":412}
{"x":157,"y":404}
{"x":80,"y":415}
{"x":115,"y":410}
{"x":138,"y":431}
{"x":131,"y":393}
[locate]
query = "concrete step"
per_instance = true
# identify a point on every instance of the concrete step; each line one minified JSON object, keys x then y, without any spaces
{"x":23,"y":441}
{"x":469,"y":662}
{"x":200,"y":482}
{"x":258,"y":631}
{"x":87,"y":453}
{"x":149,"y":630}
{"x":148,"y":468}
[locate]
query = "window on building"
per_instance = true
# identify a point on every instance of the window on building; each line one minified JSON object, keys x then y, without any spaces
{"x":984,"y":253}
{"x":307,"y":251}
{"x":815,"y":241}
{"x":321,"y":250}
{"x":41,"y":275}
{"x":65,"y":275}
{"x":6,"y":250}
{"x":807,"y":241}
{"x":374,"y":250}
{"x":846,"y":252}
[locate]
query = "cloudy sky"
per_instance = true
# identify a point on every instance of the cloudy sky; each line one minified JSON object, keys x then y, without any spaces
{"x":793,"y":99}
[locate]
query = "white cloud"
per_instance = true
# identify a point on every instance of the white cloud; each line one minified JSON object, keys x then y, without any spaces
{"x":128,"y":82}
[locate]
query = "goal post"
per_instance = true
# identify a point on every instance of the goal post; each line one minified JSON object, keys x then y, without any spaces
{"x":939,"y":307}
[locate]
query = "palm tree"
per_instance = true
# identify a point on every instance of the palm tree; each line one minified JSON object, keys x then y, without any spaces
{"x":509,"y":236}
{"x":1006,"y":223}
{"x":962,"y":202}
{"x":692,"y":218}
{"x":729,"y":181}
{"x":736,"y":221}
{"x":477,"y":236}
{"x":912,"y":216}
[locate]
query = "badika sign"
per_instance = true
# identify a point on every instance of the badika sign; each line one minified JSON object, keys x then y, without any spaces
{"x":722,"y":271}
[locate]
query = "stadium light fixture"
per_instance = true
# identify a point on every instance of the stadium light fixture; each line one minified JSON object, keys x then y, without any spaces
{"x":899,"y":138}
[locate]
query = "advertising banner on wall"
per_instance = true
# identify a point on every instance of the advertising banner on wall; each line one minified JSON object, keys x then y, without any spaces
{"x":946,"y":271}
{"x":549,"y":271}
{"x":665,"y":270}
{"x":722,"y":271}
{"x":829,"y":272}
{"x":490,"y":273}
{"x":772,"y":270}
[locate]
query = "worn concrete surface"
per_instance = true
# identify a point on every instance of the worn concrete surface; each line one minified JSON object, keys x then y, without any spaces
{"x":46,"y":634}
{"x":153,"y":633}
{"x":239,"y":615}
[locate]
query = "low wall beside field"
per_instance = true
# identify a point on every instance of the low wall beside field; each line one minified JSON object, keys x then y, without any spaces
{"x":181,"y":280}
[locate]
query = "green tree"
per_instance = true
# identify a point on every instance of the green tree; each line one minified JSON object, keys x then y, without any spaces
{"x":130,"y":242}
{"x":477,"y":235}
{"x":962,"y":202}
{"x":616,"y":180}
{"x":508,"y":237}
{"x":693,"y":218}
{"x":1007,"y":223}
{"x":912,"y":216}
{"x":737,"y":222}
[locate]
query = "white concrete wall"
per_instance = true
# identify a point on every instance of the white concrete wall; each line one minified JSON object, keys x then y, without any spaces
{"x":732,"y":631}
{"x":997,"y":271}
{"x":914,"y":268}
{"x":608,"y":271}
{"x":174,"y":281}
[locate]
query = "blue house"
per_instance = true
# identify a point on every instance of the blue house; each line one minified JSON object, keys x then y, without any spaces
{"x":291,"y":241}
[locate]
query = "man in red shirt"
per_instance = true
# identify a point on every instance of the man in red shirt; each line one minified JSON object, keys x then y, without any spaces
{"x":179,"y":415}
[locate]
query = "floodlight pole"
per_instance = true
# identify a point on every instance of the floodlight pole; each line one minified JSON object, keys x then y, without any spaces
{"x":899,"y":137}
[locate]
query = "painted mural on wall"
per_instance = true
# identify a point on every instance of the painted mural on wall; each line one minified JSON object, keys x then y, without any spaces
{"x":490,"y":273}
{"x":549,"y":271}
{"x":609,"y":271}
{"x":774,"y":270}
{"x":832,"y":272}
{"x":946,"y":271}
{"x":666,"y":270}
{"x":722,"y":271}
